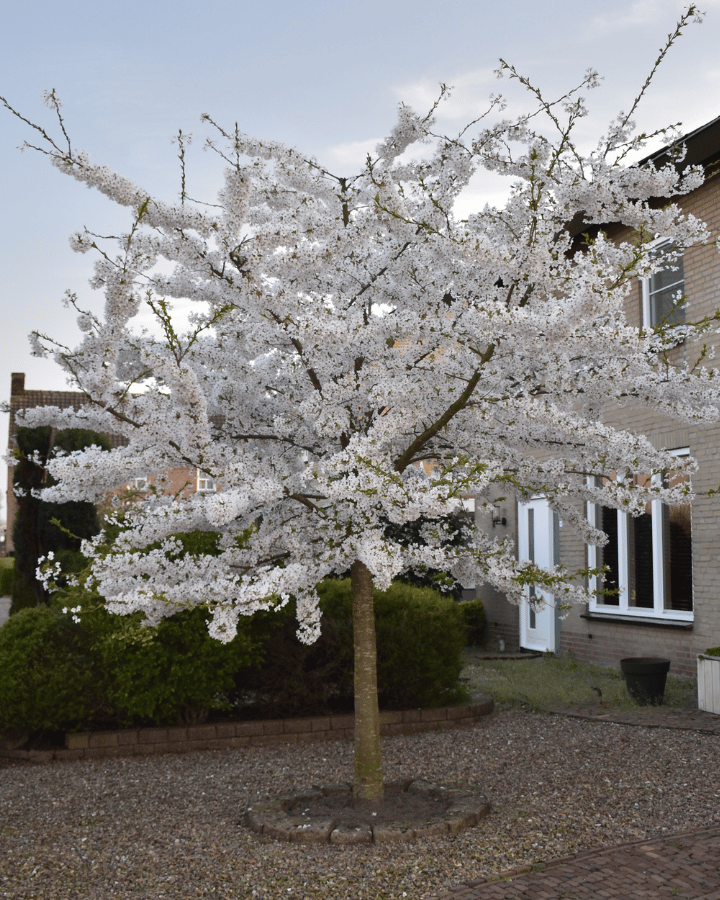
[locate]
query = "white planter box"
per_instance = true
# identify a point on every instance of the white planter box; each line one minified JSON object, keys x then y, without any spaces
{"x":709,"y":683}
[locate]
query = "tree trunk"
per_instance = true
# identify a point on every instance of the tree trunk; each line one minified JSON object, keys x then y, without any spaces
{"x":368,"y":770}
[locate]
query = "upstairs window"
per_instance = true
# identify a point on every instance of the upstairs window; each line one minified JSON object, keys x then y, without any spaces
{"x":204,"y":482}
{"x":662,"y":291}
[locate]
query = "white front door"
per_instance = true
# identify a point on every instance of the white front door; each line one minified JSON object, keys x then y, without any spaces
{"x":536,"y":542}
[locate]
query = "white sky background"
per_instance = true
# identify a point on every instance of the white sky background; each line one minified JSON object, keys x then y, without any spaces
{"x":324,"y":76}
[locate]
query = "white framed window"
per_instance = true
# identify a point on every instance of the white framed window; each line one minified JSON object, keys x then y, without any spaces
{"x":138,"y":484}
{"x":204,"y":482}
{"x":649,"y":558}
{"x":661,"y":291}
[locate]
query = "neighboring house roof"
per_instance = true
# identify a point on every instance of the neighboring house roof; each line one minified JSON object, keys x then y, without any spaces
{"x":20,"y":398}
{"x":702,"y":146}
{"x":702,"y":149}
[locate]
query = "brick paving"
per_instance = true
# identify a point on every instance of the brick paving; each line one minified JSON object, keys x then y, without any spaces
{"x":684,"y":866}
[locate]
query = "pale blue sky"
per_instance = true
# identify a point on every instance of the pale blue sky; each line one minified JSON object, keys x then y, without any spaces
{"x":324,"y":76}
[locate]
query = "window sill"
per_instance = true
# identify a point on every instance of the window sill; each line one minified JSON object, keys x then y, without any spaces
{"x":619,"y":618}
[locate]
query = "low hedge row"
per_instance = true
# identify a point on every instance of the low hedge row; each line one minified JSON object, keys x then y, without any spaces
{"x":56,"y":674}
{"x":6,"y":576}
{"x":106,"y":670}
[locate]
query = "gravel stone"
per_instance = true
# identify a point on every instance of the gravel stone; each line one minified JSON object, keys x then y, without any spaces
{"x":169,"y":827}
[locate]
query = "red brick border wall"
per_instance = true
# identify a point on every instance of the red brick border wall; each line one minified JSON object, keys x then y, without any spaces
{"x":237,"y":735}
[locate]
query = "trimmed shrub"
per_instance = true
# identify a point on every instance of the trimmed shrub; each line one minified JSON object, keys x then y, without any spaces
{"x":171,"y":673}
{"x":23,"y":594}
{"x":48,"y":673}
{"x":473,"y":614}
{"x":36,"y":531}
{"x":6,"y":579}
{"x":296,"y":679}
{"x":420,"y":635}
{"x":28,"y":478}
{"x":58,"y":674}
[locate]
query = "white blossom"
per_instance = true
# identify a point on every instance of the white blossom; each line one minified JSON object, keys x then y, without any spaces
{"x":360,"y":355}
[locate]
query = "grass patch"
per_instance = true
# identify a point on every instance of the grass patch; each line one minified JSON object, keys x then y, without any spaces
{"x":7,"y":562}
{"x":546,"y":682}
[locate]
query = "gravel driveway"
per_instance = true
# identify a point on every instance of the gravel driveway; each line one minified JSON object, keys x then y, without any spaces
{"x":168,"y":827}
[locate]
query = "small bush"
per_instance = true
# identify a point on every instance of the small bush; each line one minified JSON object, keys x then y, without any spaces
{"x":48,"y":674}
{"x":6,"y":579}
{"x":473,"y":615}
{"x":295,"y":679}
{"x":713,"y":651}
{"x":165,"y":674}
{"x":170,"y":673}
{"x":58,"y":674}
{"x":24,"y":595}
{"x":420,"y":635}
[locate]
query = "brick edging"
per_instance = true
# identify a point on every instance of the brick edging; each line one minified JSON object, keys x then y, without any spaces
{"x":621,"y":718}
{"x":237,"y":735}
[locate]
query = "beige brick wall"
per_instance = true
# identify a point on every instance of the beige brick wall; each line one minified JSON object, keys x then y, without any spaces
{"x":608,"y":642}
{"x":501,"y":617}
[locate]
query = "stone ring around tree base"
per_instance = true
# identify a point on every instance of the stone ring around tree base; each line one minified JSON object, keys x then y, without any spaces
{"x":327,"y":814}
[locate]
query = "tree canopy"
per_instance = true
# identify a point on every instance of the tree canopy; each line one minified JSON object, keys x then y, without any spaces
{"x":357,"y":355}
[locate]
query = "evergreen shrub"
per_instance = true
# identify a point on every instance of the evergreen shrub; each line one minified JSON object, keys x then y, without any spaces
{"x":172,"y":673}
{"x":48,"y":672}
{"x":295,"y":679}
{"x":420,"y":635}
{"x":23,"y":594}
{"x":33,"y":448}
{"x":57,"y":674}
{"x":473,"y":614}
{"x":41,"y":527}
{"x":6,"y":578}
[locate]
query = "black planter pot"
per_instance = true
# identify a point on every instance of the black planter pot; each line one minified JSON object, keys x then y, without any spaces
{"x":645,"y":678}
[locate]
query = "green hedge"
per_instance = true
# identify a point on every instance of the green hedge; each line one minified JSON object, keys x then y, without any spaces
{"x":420,"y":635}
{"x":48,"y":672}
{"x":172,"y":673}
{"x":6,"y":578}
{"x":57,"y":674}
{"x":473,"y":614}
{"x":22,"y":592}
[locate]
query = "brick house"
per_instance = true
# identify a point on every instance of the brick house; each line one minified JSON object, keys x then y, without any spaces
{"x":179,"y":479}
{"x":666,"y":564}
